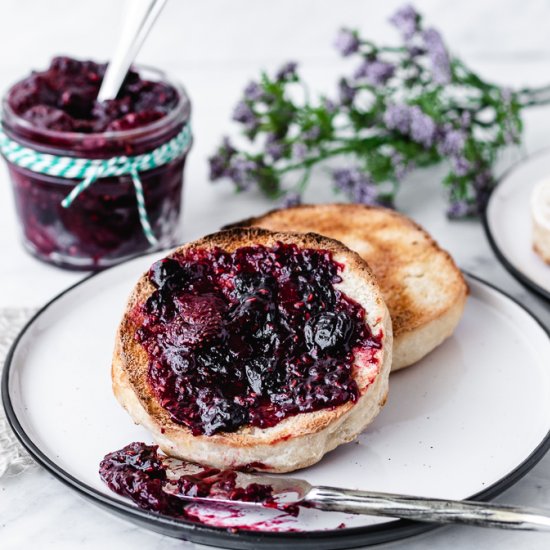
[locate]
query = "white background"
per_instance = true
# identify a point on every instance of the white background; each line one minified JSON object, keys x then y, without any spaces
{"x":214,"y":47}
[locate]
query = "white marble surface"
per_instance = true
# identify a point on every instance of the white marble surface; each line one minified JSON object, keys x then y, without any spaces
{"x":214,"y":46}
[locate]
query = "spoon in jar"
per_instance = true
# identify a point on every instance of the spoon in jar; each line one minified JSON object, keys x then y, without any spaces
{"x":139,"y":19}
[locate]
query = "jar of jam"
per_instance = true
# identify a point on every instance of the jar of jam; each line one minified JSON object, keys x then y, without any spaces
{"x":55,"y":112}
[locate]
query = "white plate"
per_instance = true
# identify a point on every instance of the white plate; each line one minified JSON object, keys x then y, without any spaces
{"x":508,"y":222}
{"x":468,"y":420}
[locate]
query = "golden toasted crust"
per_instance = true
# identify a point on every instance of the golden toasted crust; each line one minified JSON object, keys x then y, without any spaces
{"x":278,"y":447}
{"x":420,"y":282}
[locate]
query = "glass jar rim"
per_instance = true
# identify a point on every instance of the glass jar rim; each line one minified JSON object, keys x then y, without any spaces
{"x":181,"y":111}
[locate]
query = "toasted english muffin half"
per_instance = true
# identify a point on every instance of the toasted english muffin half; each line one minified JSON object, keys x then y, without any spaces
{"x":298,"y":440}
{"x":424,"y":290}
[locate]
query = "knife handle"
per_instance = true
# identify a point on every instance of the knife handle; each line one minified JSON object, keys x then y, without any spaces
{"x":429,"y":510}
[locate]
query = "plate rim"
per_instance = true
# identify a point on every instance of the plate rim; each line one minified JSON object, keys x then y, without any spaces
{"x":519,"y":275}
{"x":242,"y":539}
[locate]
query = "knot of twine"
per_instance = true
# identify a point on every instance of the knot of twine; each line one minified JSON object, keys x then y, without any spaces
{"x":90,"y":170}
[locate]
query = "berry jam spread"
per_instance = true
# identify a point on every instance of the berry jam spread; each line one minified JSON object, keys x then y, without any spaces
{"x":250,"y":337}
{"x":140,"y":473}
{"x":64,"y":98}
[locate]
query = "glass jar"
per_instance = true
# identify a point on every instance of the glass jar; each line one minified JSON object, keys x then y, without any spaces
{"x":102,"y":225}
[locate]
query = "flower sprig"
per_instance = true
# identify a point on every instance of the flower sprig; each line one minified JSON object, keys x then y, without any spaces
{"x":404,"y":107}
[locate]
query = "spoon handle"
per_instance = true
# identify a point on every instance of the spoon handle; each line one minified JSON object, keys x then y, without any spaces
{"x":136,"y":29}
{"x":429,"y":510}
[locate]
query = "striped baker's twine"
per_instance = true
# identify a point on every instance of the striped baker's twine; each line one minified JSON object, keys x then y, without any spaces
{"x":90,"y":170}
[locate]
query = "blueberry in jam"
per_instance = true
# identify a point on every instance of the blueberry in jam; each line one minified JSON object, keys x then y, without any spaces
{"x":55,"y":111}
{"x":250,"y":337}
{"x":140,"y":473}
{"x":327,"y":330}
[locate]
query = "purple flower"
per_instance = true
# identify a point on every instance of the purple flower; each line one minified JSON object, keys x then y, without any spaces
{"x":422,"y":127}
{"x":346,"y":42}
{"x":375,"y":72}
{"x":411,"y":121}
{"x":243,"y":172}
{"x":244,"y":114}
{"x":299,"y":150}
{"x":461,"y":166}
{"x":465,"y":119}
{"x":287,"y":72}
{"x":483,"y":180}
{"x":344,"y":179}
{"x":329,"y":105}
{"x":273,"y":147}
{"x":459,"y":209}
{"x":437,"y":52}
{"x":398,"y":117}
{"x":218,"y":167}
{"x":400,"y":167}
{"x":406,"y":20}
{"x":346,"y":93}
{"x":356,"y":184}
{"x":415,"y":51}
{"x":506,"y":94}
{"x":312,"y":133}
{"x":219,"y":163}
{"x":483,"y":183}
{"x":365,"y":193}
{"x":452,"y":142}
{"x":254,"y":92}
{"x":291,"y":199}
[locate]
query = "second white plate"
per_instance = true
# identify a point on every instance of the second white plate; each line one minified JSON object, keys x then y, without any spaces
{"x":508,"y":222}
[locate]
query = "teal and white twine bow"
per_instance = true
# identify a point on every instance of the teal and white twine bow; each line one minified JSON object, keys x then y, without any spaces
{"x":90,"y":170}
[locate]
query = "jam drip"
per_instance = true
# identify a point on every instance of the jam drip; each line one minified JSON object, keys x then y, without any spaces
{"x":139,"y":473}
{"x":250,"y":337}
{"x":63,"y":98}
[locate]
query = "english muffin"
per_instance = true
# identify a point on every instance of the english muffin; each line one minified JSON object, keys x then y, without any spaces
{"x":251,"y":348}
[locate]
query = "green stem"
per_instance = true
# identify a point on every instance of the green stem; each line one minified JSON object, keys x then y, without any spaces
{"x":530,"y":91}
{"x":304,"y":180}
{"x":309,"y":162}
{"x":533,"y":97}
{"x":374,"y":48}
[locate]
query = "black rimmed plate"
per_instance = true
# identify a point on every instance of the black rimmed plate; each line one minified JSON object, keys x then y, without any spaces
{"x":508,"y":223}
{"x":466,"y":422}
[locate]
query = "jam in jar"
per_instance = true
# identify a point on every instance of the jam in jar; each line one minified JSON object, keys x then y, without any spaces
{"x":56,"y":112}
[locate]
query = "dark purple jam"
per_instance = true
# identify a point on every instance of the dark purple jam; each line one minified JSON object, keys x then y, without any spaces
{"x":56,"y":112}
{"x":250,"y":337}
{"x":139,"y":473}
{"x":64,"y":98}
{"x":102,"y":226}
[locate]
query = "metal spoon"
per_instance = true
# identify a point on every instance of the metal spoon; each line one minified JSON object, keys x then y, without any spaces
{"x":291,"y":491}
{"x":138,"y":22}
